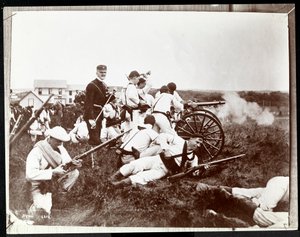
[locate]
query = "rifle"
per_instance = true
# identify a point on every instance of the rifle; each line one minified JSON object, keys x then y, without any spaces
{"x":29,"y":122}
{"x":192,"y":169}
{"x":70,"y":165}
{"x":98,"y":116}
{"x":16,"y":125}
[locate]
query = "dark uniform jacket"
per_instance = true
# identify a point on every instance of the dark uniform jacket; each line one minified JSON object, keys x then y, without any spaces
{"x":96,"y":92}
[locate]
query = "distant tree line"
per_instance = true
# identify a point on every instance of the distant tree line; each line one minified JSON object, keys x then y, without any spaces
{"x":274,"y":98}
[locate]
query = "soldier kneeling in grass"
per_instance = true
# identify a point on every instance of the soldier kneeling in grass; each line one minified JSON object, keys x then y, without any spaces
{"x":44,"y":169}
{"x":176,"y":154}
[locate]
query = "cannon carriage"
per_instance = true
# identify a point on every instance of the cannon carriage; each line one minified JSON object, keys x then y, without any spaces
{"x":198,"y":121}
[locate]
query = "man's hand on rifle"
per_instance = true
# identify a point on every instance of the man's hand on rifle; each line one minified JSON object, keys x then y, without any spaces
{"x":77,"y":163}
{"x":59,"y":170}
{"x":92,"y":123}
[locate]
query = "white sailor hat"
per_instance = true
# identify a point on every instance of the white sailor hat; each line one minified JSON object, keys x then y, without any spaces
{"x":58,"y":133}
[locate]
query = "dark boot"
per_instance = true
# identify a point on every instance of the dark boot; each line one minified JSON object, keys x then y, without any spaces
{"x":240,"y":203}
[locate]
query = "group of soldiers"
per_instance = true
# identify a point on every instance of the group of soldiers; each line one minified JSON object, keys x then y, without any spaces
{"x":150,"y":147}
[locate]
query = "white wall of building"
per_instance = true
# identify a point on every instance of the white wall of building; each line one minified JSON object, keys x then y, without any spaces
{"x":31,"y":100}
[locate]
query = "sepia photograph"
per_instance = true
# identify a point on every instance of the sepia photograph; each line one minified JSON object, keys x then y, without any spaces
{"x":150,"y":118}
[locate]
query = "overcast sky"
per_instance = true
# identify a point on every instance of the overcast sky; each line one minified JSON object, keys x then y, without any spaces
{"x":196,"y":50}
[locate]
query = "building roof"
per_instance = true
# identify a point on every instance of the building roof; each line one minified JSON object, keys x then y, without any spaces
{"x":21,"y":95}
{"x":50,"y":84}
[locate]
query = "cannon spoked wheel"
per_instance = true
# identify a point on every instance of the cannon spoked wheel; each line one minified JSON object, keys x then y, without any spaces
{"x":205,"y":126}
{"x":207,"y":111}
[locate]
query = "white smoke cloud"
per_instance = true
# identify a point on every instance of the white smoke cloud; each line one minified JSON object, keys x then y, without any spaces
{"x":237,"y":110}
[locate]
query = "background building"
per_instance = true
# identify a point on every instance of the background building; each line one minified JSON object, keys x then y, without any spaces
{"x":62,"y":91}
{"x":27,"y":98}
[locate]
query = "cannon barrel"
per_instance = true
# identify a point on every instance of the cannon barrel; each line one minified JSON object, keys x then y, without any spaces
{"x":210,"y":103}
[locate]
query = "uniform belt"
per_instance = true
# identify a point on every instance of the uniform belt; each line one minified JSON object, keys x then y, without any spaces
{"x":165,"y":114}
{"x":170,"y":163}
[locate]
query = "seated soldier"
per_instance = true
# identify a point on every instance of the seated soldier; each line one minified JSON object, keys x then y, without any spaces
{"x":267,"y":207}
{"x":79,"y":133}
{"x":111,"y":121}
{"x":44,"y":169}
{"x":176,"y":154}
{"x":138,"y":142}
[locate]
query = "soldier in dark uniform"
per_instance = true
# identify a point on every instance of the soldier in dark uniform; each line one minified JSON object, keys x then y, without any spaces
{"x":96,"y":97}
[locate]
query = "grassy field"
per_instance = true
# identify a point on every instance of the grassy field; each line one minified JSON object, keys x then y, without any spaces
{"x":95,"y":202}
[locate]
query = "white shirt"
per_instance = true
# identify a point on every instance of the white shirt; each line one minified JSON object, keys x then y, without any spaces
{"x":110,"y":112}
{"x":140,"y":139}
{"x":164,"y":101}
{"x":174,"y":144}
{"x":143,"y":92}
{"x":176,"y":95}
{"x":132,"y":96}
{"x":36,"y":164}
{"x":149,"y":99}
{"x":45,"y":116}
{"x":81,"y":130}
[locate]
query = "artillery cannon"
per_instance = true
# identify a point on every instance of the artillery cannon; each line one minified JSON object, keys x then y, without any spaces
{"x":198,"y":121}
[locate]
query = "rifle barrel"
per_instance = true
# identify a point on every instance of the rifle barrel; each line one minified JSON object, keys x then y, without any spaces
{"x":192,"y":169}
{"x":30,"y":121}
{"x":99,"y":146}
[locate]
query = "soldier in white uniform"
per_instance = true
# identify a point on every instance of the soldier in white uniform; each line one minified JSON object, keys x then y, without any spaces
{"x":172,"y":89}
{"x":45,"y":163}
{"x":45,"y":119}
{"x":161,"y":111}
{"x":176,"y":154}
{"x":130,"y":100}
{"x":110,"y":126}
{"x":267,"y":199}
{"x":79,"y":133}
{"x":138,"y":142}
{"x":267,"y":206}
{"x":143,"y":86}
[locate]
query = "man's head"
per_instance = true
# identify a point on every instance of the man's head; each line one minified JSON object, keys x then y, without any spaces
{"x":149,"y":119}
{"x":134,"y":77}
{"x":57,"y":136}
{"x":172,"y":87}
{"x":193,"y":143}
{"x":164,"y":89}
{"x":141,"y":83}
{"x":101,"y":71}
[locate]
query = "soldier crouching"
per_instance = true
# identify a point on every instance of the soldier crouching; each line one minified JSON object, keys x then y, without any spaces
{"x":44,"y":169}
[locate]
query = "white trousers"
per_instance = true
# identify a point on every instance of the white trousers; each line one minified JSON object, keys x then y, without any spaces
{"x":44,"y":201}
{"x":109,"y":133}
{"x":144,"y":170}
{"x":128,"y":124}
{"x":162,"y":124}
